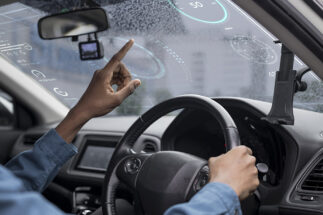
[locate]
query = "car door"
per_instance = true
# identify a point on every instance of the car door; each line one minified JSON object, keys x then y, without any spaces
{"x":14,"y":119}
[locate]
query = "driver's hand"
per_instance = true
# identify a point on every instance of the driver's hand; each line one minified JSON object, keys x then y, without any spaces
{"x":100,"y":98}
{"x":237,"y":169}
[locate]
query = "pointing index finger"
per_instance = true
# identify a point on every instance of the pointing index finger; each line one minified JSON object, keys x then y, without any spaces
{"x":124,"y":50}
{"x":115,"y":60}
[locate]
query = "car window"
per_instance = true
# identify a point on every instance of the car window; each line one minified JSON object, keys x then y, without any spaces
{"x":207,"y":47}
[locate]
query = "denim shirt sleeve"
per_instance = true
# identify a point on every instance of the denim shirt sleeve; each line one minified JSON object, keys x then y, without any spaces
{"x":37,"y":167}
{"x":14,"y":199}
{"x":213,"y":199}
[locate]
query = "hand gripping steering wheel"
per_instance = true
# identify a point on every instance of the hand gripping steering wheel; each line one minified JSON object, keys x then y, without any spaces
{"x":165,"y":178}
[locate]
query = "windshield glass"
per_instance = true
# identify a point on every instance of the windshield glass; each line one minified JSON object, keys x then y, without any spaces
{"x":206,"y":47}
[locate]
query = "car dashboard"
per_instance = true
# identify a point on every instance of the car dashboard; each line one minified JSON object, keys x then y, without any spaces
{"x":288,"y":151}
{"x":196,"y":132}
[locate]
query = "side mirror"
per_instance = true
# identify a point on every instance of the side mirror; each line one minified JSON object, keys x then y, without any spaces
{"x":73,"y":23}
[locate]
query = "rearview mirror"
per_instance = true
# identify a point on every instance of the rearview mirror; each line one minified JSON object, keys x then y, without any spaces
{"x":73,"y":23}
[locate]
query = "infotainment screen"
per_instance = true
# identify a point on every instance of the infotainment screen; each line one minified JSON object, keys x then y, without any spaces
{"x":96,"y":158}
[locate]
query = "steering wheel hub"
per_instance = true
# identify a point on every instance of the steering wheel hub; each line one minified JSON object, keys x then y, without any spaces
{"x":166,"y":179}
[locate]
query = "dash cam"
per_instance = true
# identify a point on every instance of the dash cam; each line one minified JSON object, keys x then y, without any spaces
{"x":91,"y":50}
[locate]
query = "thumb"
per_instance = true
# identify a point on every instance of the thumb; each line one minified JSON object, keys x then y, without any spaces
{"x":128,"y":89}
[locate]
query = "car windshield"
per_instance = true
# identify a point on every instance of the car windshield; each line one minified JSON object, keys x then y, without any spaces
{"x":206,"y":47}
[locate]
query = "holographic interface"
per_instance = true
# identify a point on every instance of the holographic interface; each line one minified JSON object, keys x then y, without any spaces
{"x":206,"y":11}
{"x":206,"y":47}
{"x":141,"y":62}
{"x":253,"y":50}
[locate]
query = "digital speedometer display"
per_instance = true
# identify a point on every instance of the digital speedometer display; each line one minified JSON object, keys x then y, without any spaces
{"x":207,"y":11}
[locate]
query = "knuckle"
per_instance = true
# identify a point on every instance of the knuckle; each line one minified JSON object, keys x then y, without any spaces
{"x":247,"y":149}
{"x":211,"y":159}
{"x":243,"y":148}
{"x":238,"y":149}
{"x":252,"y":159}
{"x":255,"y":171}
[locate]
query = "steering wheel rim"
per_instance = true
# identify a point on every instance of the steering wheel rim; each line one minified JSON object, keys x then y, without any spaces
{"x":125,"y":145}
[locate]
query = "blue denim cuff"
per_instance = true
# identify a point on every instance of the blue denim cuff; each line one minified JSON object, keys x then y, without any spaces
{"x":225,"y":194}
{"x":55,"y":147}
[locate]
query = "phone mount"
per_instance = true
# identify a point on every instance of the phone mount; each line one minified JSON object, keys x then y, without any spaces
{"x":287,"y":83}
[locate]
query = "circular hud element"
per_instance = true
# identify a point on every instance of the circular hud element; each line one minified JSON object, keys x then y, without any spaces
{"x":141,"y":62}
{"x":253,"y":50}
{"x":206,"y":11}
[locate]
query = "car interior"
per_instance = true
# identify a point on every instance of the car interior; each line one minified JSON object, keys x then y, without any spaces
{"x":214,"y":73}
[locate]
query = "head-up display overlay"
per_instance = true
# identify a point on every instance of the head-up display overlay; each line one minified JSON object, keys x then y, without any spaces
{"x":206,"y":47}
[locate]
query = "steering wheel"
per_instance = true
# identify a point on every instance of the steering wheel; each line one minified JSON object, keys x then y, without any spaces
{"x":165,"y":178}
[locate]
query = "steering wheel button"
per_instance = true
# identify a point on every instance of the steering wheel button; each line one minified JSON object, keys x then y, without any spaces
{"x":132,"y":165}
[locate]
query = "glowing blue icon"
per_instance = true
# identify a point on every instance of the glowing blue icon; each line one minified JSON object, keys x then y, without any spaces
{"x":196,"y":5}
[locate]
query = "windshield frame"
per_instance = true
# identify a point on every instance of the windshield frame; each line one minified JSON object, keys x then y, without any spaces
{"x":175,"y":55}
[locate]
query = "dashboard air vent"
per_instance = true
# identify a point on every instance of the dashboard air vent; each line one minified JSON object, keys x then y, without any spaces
{"x":149,"y":147}
{"x":314,"y":181}
{"x":30,"y":139}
